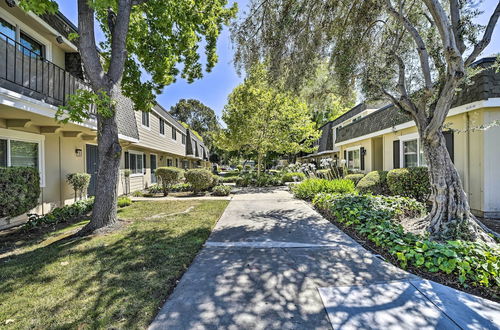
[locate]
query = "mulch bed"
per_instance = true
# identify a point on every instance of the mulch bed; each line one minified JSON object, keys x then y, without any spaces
{"x":439,"y":277}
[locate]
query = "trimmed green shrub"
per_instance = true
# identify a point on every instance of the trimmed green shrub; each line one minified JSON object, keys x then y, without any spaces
{"x":79,"y":182}
{"x":230,"y":179}
{"x":355,"y":178}
{"x":309,"y":188}
{"x":293,"y":177}
{"x":410,"y":182}
{"x":181,"y":187}
{"x":239,"y":168}
{"x":264,"y":180}
{"x":199,"y":179}
{"x":375,"y":218}
{"x":124,"y":201}
{"x":19,"y":190}
{"x":374,"y":183}
{"x":61,"y":214}
{"x":221,"y":190}
{"x":169,"y":176}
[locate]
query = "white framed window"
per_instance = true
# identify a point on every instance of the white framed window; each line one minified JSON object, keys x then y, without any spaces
{"x":411,"y":152}
{"x":183,"y":138}
{"x":26,"y":36}
{"x":353,"y":158}
{"x":174,"y":134}
{"x":22,"y":149}
{"x":162,"y":126}
{"x":136,"y":163}
{"x":145,"y":119}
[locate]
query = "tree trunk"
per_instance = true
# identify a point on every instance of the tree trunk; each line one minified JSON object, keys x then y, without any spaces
{"x":450,"y":217}
{"x":259,"y":163}
{"x":106,"y":192}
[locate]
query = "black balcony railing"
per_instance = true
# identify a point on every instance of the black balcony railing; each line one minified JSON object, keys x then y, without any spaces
{"x":29,"y":73}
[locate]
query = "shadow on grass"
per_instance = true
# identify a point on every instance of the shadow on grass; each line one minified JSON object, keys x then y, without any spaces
{"x":116,"y":280}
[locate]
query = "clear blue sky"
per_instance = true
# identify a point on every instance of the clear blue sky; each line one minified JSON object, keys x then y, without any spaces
{"x":214,"y":87}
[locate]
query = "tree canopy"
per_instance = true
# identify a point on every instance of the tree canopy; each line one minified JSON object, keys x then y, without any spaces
{"x":262,"y":119}
{"x":198,"y":117}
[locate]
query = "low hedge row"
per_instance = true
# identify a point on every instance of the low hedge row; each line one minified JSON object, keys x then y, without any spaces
{"x":374,"y":183}
{"x":309,"y":188}
{"x":472,"y":263}
{"x":221,"y":190}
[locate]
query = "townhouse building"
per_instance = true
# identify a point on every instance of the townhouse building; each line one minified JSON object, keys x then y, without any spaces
{"x":373,"y":137}
{"x":39,"y":68}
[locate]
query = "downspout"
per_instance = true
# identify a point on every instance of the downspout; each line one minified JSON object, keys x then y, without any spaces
{"x":467,"y":154}
{"x":61,"y":203}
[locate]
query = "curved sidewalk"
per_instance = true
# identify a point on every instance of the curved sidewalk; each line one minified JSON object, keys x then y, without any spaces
{"x":272,"y":262}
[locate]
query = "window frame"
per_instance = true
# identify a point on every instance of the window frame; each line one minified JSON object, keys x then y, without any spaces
{"x":145,"y":114}
{"x":407,"y":138}
{"x":26,"y":137}
{"x":137,"y":154}
{"x":183,"y":138}
{"x":162,"y":126}
{"x":351,"y":149}
{"x":20,"y":26}
{"x":174,"y":133}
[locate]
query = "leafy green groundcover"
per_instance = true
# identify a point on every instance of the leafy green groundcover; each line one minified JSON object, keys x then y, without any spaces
{"x":375,"y":217}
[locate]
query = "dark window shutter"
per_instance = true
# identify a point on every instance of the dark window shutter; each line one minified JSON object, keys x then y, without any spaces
{"x":127,"y":160}
{"x":395,"y":154}
{"x":144,"y":163}
{"x":362,"y":158}
{"x":449,"y":138}
{"x":345,"y":154}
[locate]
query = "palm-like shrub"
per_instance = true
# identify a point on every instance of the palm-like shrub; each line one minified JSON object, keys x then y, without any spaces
{"x":169,"y":176}
{"x":199,"y":179}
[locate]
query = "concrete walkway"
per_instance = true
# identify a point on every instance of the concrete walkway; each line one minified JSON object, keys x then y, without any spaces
{"x":272,"y":262}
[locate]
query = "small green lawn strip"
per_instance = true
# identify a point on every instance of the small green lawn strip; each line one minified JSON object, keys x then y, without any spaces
{"x":113,"y":280}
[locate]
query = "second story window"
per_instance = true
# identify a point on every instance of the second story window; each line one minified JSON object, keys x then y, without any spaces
{"x":145,"y":119}
{"x":183,"y":139}
{"x":162,"y":126}
{"x":174,"y":133}
{"x":31,"y":47}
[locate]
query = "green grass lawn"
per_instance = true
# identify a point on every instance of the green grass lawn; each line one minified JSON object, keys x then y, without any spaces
{"x":114,"y":280}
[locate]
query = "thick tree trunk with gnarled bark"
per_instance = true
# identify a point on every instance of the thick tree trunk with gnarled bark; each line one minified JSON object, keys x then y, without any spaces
{"x":450,"y":216}
{"x":104,"y":210}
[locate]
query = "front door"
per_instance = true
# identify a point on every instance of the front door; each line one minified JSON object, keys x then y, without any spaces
{"x":92,"y":167}
{"x":153,"y":168}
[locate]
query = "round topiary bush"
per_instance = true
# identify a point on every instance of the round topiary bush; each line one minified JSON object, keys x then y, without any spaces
{"x":374,"y":183}
{"x":199,"y":179}
{"x":410,"y":182}
{"x":19,"y":190}
{"x":355,"y":178}
{"x":169,"y":176}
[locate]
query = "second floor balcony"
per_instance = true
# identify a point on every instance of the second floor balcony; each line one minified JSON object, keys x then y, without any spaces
{"x":27,"y":72}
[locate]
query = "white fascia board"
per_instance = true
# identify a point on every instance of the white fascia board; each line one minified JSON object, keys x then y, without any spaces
{"x":52,"y":30}
{"x":489,"y":103}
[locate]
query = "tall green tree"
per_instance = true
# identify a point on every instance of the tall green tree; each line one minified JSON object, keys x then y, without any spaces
{"x":261,"y":119}
{"x":414,"y":53}
{"x":198,"y":116}
{"x":152,"y":36}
